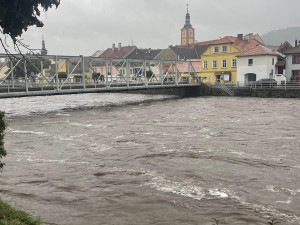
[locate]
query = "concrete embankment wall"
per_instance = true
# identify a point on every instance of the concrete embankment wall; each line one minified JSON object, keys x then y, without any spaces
{"x":249,"y":92}
{"x":187,"y":91}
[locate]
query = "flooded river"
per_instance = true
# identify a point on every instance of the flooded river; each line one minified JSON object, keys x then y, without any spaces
{"x":127,"y":160}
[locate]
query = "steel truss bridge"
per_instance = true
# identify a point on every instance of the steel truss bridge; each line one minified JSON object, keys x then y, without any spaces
{"x":28,"y":75}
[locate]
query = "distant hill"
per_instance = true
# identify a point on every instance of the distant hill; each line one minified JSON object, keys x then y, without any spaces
{"x":277,"y":37}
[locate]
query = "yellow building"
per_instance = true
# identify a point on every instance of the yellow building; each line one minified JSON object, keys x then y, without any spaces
{"x":219,"y":62}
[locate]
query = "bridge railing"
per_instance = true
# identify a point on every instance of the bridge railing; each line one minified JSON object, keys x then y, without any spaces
{"x":19,"y":73}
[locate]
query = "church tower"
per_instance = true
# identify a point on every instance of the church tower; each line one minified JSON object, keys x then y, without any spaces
{"x":43,"y":50}
{"x":187,"y":32}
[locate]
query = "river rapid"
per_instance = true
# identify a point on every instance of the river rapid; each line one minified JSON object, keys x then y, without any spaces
{"x":127,"y":159}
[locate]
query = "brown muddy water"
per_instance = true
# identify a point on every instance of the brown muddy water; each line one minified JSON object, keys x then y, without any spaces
{"x":94,"y":159}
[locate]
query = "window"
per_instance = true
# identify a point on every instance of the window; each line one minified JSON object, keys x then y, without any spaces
{"x":216,"y":49}
{"x":224,"y":48}
{"x":101,"y":70}
{"x":250,"y":62}
{"x":296,"y":59}
{"x":224,"y":63}
{"x":233,"y":63}
{"x":273,"y":60}
{"x":204,"y":64}
{"x":214,"y":64}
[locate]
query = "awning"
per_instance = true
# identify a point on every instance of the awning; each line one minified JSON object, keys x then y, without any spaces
{"x":280,"y":63}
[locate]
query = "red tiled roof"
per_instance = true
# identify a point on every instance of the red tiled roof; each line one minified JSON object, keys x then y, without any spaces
{"x":97,"y":53}
{"x":248,"y":42}
{"x":123,"y":52}
{"x":259,"y":49}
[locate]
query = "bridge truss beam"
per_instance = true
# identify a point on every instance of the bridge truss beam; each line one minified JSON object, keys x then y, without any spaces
{"x":29,"y":74}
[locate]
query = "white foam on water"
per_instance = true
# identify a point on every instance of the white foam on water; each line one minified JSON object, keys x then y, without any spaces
{"x":46,"y":160}
{"x":289,"y":201}
{"x":26,"y":132}
{"x":179,"y":188}
{"x":95,"y":147}
{"x":79,"y":124}
{"x":57,"y":103}
{"x":62,"y":114}
{"x":218,"y":193}
{"x":266,"y":211}
{"x":271,"y":189}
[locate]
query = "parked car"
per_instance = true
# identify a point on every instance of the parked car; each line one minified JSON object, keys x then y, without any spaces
{"x":266,"y":82}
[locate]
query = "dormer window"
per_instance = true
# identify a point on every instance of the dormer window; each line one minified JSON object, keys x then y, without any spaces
{"x":216,"y":49}
{"x":224,"y":48}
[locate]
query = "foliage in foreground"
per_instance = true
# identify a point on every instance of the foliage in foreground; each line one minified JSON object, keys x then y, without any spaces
{"x":10,"y":216}
{"x":16,"y":15}
{"x":2,"y":129}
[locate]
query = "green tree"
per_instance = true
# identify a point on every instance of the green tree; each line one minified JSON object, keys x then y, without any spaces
{"x":2,"y":129}
{"x":17,"y":15}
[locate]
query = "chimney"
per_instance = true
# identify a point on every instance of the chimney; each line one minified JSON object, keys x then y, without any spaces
{"x":240,"y":36}
{"x":113,"y":47}
{"x":296,"y":43}
{"x":119,"y":46}
{"x":149,"y":50}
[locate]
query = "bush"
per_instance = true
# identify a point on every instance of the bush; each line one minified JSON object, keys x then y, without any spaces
{"x":2,"y":129}
{"x":11,"y":216}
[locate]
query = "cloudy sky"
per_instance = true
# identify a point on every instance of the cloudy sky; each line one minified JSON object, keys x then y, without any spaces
{"x":80,"y":27}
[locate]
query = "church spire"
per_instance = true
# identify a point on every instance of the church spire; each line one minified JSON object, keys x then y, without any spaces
{"x":187,"y":18}
{"x":187,"y":32}
{"x":43,"y":50}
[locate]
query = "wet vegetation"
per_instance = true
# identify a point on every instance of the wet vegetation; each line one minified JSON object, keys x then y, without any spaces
{"x":2,"y":129}
{"x":11,"y":216}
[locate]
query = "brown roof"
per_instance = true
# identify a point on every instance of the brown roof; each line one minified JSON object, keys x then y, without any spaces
{"x":293,"y":50}
{"x":98,"y":53}
{"x":117,"y":54}
{"x":260,"y":50}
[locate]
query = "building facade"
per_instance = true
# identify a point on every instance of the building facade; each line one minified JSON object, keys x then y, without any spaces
{"x":293,"y":64}
{"x":219,"y":61}
{"x":257,"y":63}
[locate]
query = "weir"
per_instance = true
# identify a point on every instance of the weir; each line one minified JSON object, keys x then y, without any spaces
{"x":33,"y":75}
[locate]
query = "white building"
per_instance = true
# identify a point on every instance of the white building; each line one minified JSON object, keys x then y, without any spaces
{"x":257,"y":63}
{"x":293,"y":64}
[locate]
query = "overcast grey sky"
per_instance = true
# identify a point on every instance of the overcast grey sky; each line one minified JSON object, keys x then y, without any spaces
{"x":83,"y":26}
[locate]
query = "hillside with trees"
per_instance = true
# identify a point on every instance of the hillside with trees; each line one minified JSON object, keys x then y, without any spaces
{"x":277,"y":37}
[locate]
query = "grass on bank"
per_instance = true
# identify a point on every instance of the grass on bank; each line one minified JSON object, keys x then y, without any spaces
{"x":11,"y":216}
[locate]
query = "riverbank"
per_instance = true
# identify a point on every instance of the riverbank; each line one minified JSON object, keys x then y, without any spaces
{"x":11,"y":216}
